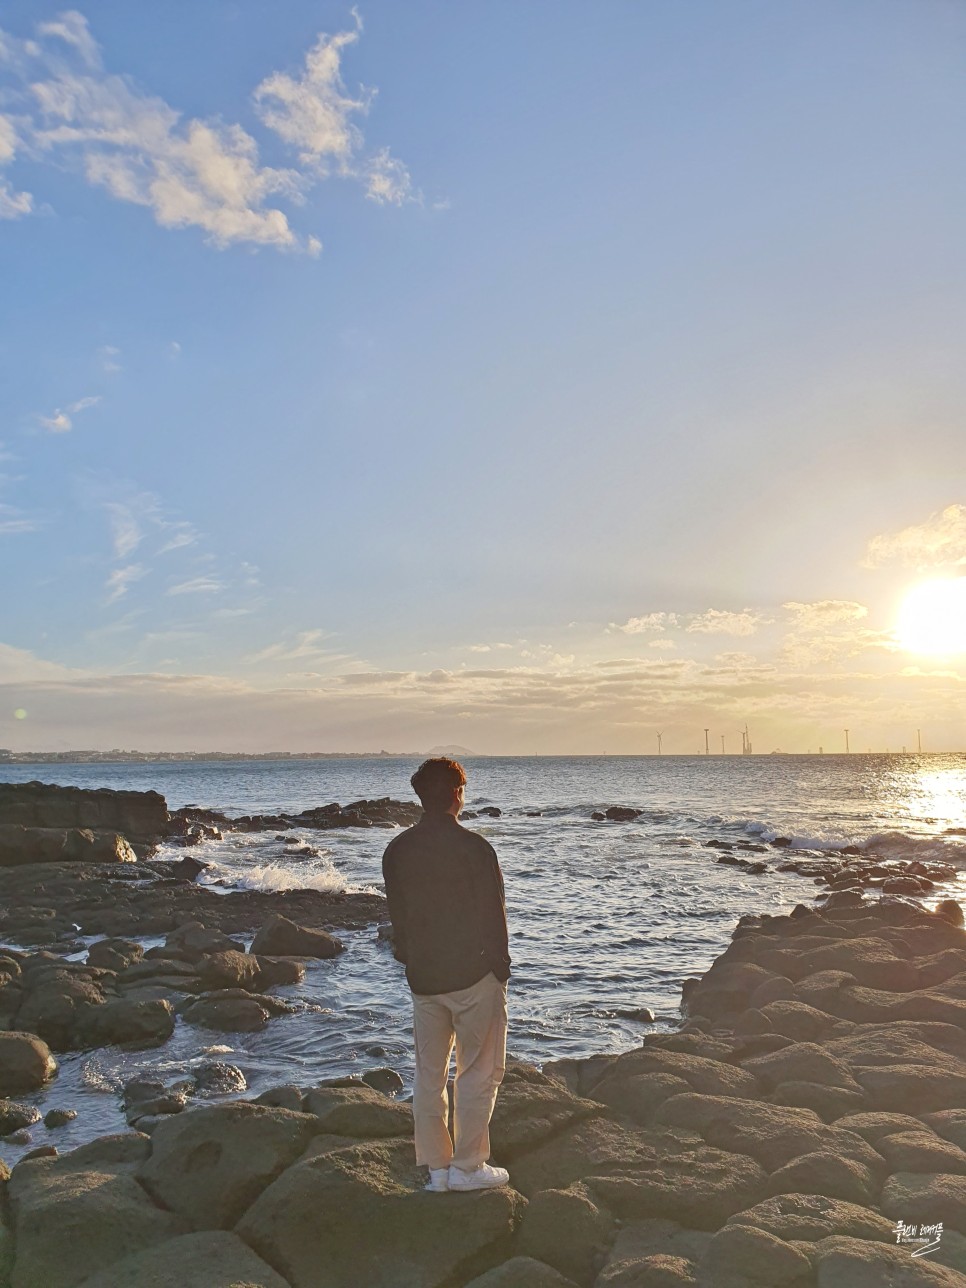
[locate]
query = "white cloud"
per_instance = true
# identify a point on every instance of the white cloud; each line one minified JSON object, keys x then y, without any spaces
{"x":71,"y":27}
{"x":14,"y":521}
{"x":822,"y":613}
{"x":126,"y":530}
{"x":941,"y":540}
{"x":314,"y":114}
{"x":720,"y":622}
{"x":13,"y":204}
{"x":649,"y":622}
{"x":189,"y":172}
{"x":204,"y":584}
{"x":61,"y":422}
{"x":121,"y":579}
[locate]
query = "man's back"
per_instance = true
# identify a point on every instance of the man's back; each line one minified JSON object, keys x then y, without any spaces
{"x":447,"y":905}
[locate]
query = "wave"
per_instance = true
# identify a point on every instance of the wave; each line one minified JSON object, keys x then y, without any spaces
{"x":946,"y":848}
{"x":275,"y":877}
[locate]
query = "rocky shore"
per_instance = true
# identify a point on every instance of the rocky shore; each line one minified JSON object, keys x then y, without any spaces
{"x":811,"y":1101}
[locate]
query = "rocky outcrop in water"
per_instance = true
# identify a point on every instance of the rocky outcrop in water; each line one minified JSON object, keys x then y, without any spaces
{"x":141,"y":817}
{"x":23,"y":845}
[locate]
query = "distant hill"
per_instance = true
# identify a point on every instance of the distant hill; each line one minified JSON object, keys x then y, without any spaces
{"x":451,"y":749}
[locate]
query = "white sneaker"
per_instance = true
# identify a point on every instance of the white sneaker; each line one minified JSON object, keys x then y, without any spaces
{"x":483,"y":1177}
{"x":438,"y":1180}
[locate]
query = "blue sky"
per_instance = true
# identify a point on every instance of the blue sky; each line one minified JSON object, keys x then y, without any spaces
{"x":532,"y":377}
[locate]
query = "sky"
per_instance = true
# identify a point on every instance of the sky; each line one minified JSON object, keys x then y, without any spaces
{"x":537,"y":378}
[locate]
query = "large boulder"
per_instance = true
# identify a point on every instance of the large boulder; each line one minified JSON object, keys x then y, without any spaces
{"x":226,"y":1013}
{"x":70,"y":1222}
{"x":567,"y":1230}
{"x":927,"y":1197}
{"x":824,"y":1172}
{"x":124,"y":1021}
{"x":696,"y":1185}
{"x":922,"y":1151}
{"x":904,"y":1088}
{"x":771,"y":1134}
{"x":358,"y":1111}
{"x":56,"y":999}
{"x":800,"y":1062}
{"x":522,"y":1272}
{"x":209,"y":1259}
{"x":530,"y":1108}
{"x":810,"y":1217}
{"x":210,"y":1164}
{"x":761,"y":1257}
{"x":25,"y":1063}
{"x":280,"y":937}
{"x":230,"y":969}
{"x":140,"y":816}
{"x":357,"y":1215}
{"x":841,"y":1261}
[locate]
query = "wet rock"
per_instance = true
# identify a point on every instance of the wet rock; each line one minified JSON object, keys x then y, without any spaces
{"x":58,"y":1118}
{"x":20,"y":1137}
{"x":621,"y":813}
{"x":69,"y":1223}
{"x":208,"y":1259}
{"x":25,"y":1063}
{"x":279,"y":970}
{"x":522,"y":1272}
{"x":127,"y":1022}
{"x":358,"y":1111}
{"x":950,"y":910}
{"x":315,"y":1222}
{"x":567,"y":1230}
{"x":209,"y":1165}
{"x":283,"y":938}
{"x":230,"y":970}
{"x":597,"y":816}
{"x":228,"y":1014}
{"x":218,"y":1079}
{"x":15,"y":1116}
{"x":114,"y":954}
{"x":387,"y":1081}
{"x":55,"y":1000}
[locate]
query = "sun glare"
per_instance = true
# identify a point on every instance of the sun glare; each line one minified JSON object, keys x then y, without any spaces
{"x":932,"y":618}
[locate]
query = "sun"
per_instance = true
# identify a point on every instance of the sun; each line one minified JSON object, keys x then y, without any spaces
{"x":932,"y":618}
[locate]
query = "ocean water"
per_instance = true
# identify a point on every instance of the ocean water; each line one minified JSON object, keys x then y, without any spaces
{"x":605,"y":918}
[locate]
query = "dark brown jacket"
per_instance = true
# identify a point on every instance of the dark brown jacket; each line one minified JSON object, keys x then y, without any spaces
{"x":447,"y":905}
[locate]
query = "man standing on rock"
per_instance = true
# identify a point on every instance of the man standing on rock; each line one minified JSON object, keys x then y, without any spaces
{"x":446,"y":902}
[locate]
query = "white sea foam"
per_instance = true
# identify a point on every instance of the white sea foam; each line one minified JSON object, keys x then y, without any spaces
{"x":278,"y":876}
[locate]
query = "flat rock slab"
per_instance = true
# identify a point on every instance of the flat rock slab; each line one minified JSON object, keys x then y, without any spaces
{"x":358,"y":1215}
{"x":212,"y":1259}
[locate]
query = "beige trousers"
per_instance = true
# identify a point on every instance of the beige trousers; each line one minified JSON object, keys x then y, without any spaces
{"x":475,"y":1019}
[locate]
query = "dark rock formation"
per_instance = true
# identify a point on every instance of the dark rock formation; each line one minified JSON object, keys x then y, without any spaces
{"x":140,"y":816}
{"x":21,"y":845}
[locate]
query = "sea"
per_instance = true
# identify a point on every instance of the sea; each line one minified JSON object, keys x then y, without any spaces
{"x":606,"y":918}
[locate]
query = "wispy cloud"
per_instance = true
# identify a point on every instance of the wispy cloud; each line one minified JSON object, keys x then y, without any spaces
{"x":189,"y":172}
{"x":109,"y":354}
{"x":206,"y":584}
{"x":941,"y":540}
{"x":14,"y":521}
{"x":305,"y":645}
{"x":121,"y":579}
{"x":13,"y":204}
{"x":61,"y":422}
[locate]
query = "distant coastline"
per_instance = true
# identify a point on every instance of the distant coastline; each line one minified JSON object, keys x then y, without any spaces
{"x":117,"y":756}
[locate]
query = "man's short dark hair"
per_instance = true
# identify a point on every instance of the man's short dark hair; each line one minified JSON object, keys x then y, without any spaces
{"x":435,"y":781}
